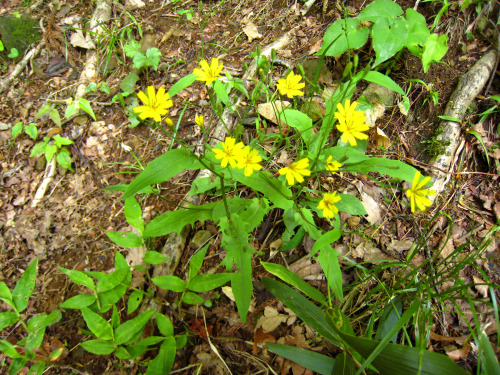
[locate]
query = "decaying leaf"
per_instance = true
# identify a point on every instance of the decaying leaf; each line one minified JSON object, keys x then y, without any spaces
{"x":382,"y":140}
{"x":250,"y":30}
{"x":78,"y":40}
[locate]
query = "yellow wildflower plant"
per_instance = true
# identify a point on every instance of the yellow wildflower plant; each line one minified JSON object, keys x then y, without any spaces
{"x":291,"y":85}
{"x":351,"y":123}
{"x":327,"y":204}
{"x":200,"y":121}
{"x":332,"y":165}
{"x":249,"y":161}
{"x":230,"y":153}
{"x":208,"y":73}
{"x":296,"y":171}
{"x":155,"y":104}
{"x":417,"y":193}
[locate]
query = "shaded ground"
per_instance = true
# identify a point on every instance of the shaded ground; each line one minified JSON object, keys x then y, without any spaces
{"x":68,"y":228}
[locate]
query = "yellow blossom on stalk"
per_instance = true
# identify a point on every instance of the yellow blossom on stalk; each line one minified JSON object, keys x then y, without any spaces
{"x":249,"y":160}
{"x":327,"y":204}
{"x":417,"y":193}
{"x":208,"y":73}
{"x":332,"y":165}
{"x":200,"y":121}
{"x":156,"y":104}
{"x":295,"y":171}
{"x":230,"y":153}
{"x":351,"y":123}
{"x":291,"y":85}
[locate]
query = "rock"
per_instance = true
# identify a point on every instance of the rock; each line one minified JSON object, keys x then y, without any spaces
{"x":199,"y":239}
{"x":19,"y":33}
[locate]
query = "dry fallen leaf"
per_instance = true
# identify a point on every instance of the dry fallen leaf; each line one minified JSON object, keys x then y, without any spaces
{"x":382,"y":140}
{"x":250,"y":30}
{"x":78,"y":40}
{"x":268,"y":110}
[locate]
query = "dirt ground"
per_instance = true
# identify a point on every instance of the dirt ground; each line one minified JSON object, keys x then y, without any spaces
{"x":68,"y":227}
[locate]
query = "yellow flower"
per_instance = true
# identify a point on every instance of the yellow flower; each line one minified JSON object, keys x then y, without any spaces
{"x":208,"y":73}
{"x":351,"y":123}
{"x":417,"y":193}
{"x":295,"y":171}
{"x":156,"y":104}
{"x":230,"y":153}
{"x":200,"y":121}
{"x":249,"y":160}
{"x":332,"y":166}
{"x":327,"y":204}
{"x":291,"y":85}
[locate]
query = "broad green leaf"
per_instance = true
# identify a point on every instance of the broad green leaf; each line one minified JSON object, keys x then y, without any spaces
{"x":97,"y":324}
{"x":43,"y":111}
{"x":163,"y":168}
{"x":112,"y":280}
{"x":328,"y":259}
{"x":389,"y":37}
{"x":37,"y":326}
{"x":25,"y":286}
{"x":63,"y":158}
{"x":197,"y":261}
{"x":292,"y":278}
{"x":342,"y":35}
{"x":17,"y":365}
{"x":128,"y":83}
{"x":390,"y":316}
{"x":303,"y":308}
{"x":50,"y":151}
{"x":13,"y":53}
{"x":207,"y":282}
{"x":38,"y":368}
{"x":154,"y":257}
{"x":62,"y":141}
{"x":489,"y":360}
{"x":132,"y":48}
{"x":17,"y":129}
{"x":8,"y":349}
{"x":165,"y":359}
{"x":79,"y":277}
{"x":324,"y":241}
{"x":140,"y":347}
{"x":123,"y":187}
{"x":417,"y":28}
{"x":174,"y":221}
{"x":435,"y":48}
{"x":125,"y":239}
{"x":71,"y":109}
{"x":127,"y":330}
{"x":383,"y":80}
{"x":164,"y":324}
{"x":99,"y":347}
{"x":235,"y":205}
{"x":122,"y":353}
{"x":39,"y":148}
{"x":107,"y":299}
{"x":133,"y":214}
{"x":5,"y":291}
{"x":192,"y":299}
{"x":380,"y":9}
{"x":350,"y":204}
{"x":7,"y":318}
{"x":153,"y":56}
{"x":344,"y":365}
{"x":344,"y":155}
{"x":299,"y":121}
{"x":134,"y":301}
{"x":86,"y":107}
{"x":170,"y":282}
{"x":79,"y":302}
{"x":182,"y":84}
{"x":393,"y":168}
{"x":120,"y":261}
{"x":220,"y":91}
{"x":313,"y":361}
{"x":54,"y":116}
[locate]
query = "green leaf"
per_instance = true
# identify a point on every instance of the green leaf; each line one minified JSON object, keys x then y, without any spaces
{"x":303,"y":308}
{"x":133,"y":214}
{"x":43,"y":111}
{"x":50,"y":151}
{"x":128,"y":83}
{"x":154,"y":257}
{"x":126,"y":331}
{"x":115,"y":317}
{"x":192,"y":299}
{"x":350,"y":204}
{"x":134,"y":301}
{"x":5,"y":291}
{"x":38,"y":148}
{"x":97,"y":324}
{"x":383,"y":80}
{"x":450,"y":118}
{"x":393,"y":168}
{"x":62,"y":141}
{"x":182,"y":84}
{"x":164,"y":324}
{"x":163,"y":168}
{"x":165,"y":359}
{"x":9,"y":350}
{"x":220,"y":91}
{"x":13,"y":53}
{"x":197,"y":261}
{"x":71,"y":109}
{"x":174,"y":221}
{"x":137,"y":349}
{"x":153,"y":56}
{"x":344,"y":365}
{"x":112,"y":280}
{"x":25,"y":286}
{"x":85,"y":106}
{"x":31,"y":130}
{"x":207,"y":282}
{"x":140,"y":60}
{"x":54,"y":116}
{"x":63,"y":158}
{"x":487,"y":354}
{"x":435,"y":48}
{"x":292,"y":278}
{"x":99,"y":347}
{"x":132,"y":48}
{"x":417,"y":29}
{"x":17,"y":129}
{"x":79,"y":302}
{"x":313,"y":361}
{"x":389,"y":37}
{"x":380,"y":9}
{"x":342,"y":35}
{"x":107,"y":299}
{"x":390,"y":316}
{"x":328,"y":259}
{"x":79,"y":277}
{"x":37,"y":326}
{"x":7,"y":318}
{"x":170,"y":282}
{"x":125,"y":239}
{"x":344,"y":155}
{"x":299,"y":121}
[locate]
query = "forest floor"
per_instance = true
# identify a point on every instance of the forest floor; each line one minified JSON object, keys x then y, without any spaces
{"x":68,"y":227}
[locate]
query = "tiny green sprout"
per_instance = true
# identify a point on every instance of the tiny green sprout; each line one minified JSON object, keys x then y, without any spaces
{"x":13,"y":53}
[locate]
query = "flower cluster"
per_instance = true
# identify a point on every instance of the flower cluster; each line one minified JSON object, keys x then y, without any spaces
{"x":238,"y":156}
{"x":351,"y":123}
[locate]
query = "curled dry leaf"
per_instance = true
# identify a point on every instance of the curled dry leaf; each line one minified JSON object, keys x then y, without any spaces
{"x":382,"y":140}
{"x":250,"y":30}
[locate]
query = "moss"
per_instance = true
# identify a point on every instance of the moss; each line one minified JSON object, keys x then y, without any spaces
{"x":435,"y":146}
{"x":19,"y":33}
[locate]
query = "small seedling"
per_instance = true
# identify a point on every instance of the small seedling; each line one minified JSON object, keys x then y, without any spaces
{"x":54,"y":147}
